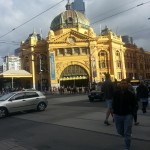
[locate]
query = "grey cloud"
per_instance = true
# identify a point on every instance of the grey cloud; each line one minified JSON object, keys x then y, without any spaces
{"x":128,"y":23}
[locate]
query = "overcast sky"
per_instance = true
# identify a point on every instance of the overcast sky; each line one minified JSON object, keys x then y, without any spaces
{"x":131,"y":20}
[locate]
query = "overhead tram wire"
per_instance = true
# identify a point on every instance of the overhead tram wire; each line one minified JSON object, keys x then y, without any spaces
{"x":139,"y":31}
{"x":122,"y":5}
{"x":120,"y":12}
{"x":10,"y":42}
{"x":31,"y":19}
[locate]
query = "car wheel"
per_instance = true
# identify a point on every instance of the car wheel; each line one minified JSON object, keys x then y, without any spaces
{"x":41,"y":107}
{"x":91,"y":99}
{"x":3,"y":112}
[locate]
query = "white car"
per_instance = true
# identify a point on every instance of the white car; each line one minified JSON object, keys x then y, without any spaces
{"x":22,"y":101}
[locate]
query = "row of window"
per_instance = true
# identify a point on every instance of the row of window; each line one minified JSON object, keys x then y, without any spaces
{"x":81,"y":51}
{"x":72,"y":51}
{"x":105,"y":64}
{"x":132,"y":55}
{"x":134,"y":66}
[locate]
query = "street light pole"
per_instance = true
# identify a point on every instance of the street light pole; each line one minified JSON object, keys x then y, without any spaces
{"x":41,"y":71}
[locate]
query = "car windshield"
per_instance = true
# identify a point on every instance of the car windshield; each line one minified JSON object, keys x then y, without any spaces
{"x":6,"y":96}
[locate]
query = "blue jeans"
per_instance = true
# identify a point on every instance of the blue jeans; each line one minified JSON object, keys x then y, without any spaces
{"x":109,"y":103}
{"x":124,"y":127}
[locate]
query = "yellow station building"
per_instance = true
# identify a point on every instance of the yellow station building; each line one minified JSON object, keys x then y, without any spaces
{"x":73,"y":55}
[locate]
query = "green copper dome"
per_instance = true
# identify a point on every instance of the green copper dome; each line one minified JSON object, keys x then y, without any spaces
{"x":70,"y":19}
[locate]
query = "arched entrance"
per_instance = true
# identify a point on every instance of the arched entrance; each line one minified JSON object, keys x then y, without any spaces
{"x":74,"y":76}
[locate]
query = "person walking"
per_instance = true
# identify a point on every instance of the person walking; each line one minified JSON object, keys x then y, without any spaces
{"x":142,"y":94}
{"x":133,"y":90}
{"x":108,"y":89}
{"x":136,"y":123}
{"x":124,"y":105}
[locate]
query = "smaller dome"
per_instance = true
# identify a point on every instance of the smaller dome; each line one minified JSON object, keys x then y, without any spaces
{"x":35,"y":35}
{"x":106,"y":31}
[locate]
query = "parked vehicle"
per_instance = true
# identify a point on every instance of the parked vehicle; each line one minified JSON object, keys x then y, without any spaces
{"x":22,"y":101}
{"x":96,"y":95}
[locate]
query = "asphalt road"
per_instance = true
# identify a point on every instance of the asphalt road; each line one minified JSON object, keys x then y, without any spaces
{"x":54,"y":128}
{"x":47,"y":136}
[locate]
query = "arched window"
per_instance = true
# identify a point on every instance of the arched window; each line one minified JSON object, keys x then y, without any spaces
{"x":118,"y":59}
{"x":103,"y":59}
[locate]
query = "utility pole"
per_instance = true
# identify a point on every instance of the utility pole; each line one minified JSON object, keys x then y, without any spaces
{"x":41,"y":71}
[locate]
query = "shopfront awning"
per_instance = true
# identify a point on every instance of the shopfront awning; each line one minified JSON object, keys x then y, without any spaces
{"x":16,"y":74}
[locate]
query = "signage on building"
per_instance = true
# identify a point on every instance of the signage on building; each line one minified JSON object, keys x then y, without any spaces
{"x":52,"y":66}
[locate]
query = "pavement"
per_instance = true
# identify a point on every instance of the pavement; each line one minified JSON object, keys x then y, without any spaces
{"x":94,"y":121}
{"x":12,"y":144}
{"x":86,"y":118}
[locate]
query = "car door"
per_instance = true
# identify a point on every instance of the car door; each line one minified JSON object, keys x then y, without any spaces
{"x":17,"y":103}
{"x":31,"y":99}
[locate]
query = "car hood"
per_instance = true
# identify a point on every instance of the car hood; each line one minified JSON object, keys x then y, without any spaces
{"x":2,"y":102}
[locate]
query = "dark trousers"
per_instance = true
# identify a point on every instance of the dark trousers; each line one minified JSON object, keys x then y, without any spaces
{"x":144,"y":106}
{"x":135,"y":115}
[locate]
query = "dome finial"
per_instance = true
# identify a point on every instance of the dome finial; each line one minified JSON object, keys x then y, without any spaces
{"x":68,"y":6}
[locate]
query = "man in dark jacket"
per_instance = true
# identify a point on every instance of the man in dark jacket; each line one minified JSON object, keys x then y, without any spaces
{"x":124,"y":105}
